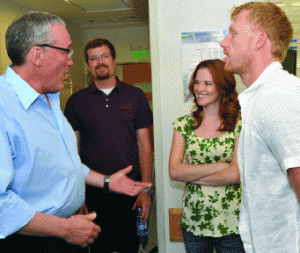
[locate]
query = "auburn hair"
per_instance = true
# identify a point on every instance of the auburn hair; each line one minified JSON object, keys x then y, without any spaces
{"x":229,"y":108}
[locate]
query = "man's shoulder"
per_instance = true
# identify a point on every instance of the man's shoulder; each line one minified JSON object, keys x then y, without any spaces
{"x":282,"y":82}
{"x":4,"y":84}
{"x":279,"y":94}
{"x":128,"y":88}
{"x":6,"y":90}
{"x":285,"y":75}
{"x":126,"y":85}
{"x":80,"y":94}
{"x":82,"y":91}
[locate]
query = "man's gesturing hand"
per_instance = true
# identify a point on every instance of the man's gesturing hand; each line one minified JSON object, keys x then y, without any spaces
{"x":120,"y":183}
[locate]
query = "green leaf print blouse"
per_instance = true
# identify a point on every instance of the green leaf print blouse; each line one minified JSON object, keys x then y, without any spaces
{"x":209,"y":211}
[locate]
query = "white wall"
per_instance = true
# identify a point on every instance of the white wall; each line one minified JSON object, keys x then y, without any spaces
{"x":77,"y":71}
{"x":123,"y":38}
{"x":168,"y":18}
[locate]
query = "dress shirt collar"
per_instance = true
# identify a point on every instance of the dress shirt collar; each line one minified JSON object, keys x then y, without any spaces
{"x":274,"y":66}
{"x":24,"y":91}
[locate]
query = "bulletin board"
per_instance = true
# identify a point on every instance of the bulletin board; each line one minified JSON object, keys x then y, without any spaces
{"x":196,"y":47}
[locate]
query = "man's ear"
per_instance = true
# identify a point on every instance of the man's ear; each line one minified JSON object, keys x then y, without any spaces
{"x":261,"y":40}
{"x":36,"y":55}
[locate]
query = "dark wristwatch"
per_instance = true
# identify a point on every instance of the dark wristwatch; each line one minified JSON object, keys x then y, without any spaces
{"x":149,"y":190}
{"x":106,"y":184}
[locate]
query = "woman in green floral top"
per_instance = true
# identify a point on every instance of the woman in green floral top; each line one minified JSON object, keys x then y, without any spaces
{"x":204,"y":154}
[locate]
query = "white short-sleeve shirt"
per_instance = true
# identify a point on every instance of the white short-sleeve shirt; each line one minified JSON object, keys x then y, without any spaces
{"x":269,"y":145}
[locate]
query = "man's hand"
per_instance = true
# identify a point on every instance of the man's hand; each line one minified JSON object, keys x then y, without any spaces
{"x":120,"y":183}
{"x":145,"y":198}
{"x":82,"y":230}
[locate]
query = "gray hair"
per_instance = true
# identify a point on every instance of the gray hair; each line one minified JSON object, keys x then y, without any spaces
{"x":33,"y":28}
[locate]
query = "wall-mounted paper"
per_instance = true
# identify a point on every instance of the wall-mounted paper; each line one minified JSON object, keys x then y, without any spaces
{"x":196,"y":47}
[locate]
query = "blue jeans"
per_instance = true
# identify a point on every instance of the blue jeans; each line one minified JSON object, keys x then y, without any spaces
{"x":224,"y":244}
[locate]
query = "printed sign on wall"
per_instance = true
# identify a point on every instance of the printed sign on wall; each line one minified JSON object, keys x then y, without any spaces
{"x":198,"y":46}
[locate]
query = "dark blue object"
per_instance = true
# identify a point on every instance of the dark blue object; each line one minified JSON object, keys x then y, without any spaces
{"x":141,"y":226}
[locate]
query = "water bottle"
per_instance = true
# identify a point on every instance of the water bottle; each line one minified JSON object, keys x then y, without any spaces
{"x":141,"y":226}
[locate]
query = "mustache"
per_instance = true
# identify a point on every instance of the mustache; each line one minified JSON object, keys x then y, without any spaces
{"x":101,"y":66}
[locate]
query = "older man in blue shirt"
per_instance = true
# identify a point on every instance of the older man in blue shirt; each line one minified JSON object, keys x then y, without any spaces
{"x":42,"y":183}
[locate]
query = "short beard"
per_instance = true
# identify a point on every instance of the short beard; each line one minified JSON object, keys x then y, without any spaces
{"x":101,"y":78}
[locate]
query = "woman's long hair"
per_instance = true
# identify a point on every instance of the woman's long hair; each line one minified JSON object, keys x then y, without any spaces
{"x":229,"y":109}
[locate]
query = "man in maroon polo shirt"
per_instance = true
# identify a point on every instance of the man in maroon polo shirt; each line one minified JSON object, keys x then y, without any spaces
{"x":111,"y":120}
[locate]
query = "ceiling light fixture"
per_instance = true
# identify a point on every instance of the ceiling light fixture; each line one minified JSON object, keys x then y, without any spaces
{"x":70,"y":2}
{"x":126,"y":4}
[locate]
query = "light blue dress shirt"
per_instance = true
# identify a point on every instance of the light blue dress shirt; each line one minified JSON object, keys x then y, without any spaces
{"x":40,"y":169}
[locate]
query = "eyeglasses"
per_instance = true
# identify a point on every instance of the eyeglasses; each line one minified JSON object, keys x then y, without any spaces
{"x":70,"y":51}
{"x":96,"y":57}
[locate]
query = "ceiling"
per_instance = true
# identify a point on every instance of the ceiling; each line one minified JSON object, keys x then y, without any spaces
{"x":94,"y":13}
{"x":90,"y":13}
